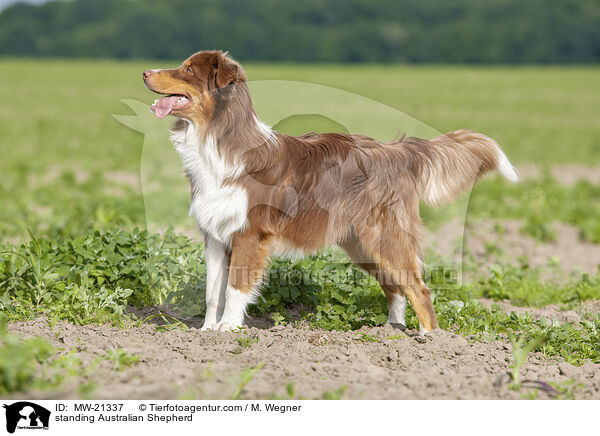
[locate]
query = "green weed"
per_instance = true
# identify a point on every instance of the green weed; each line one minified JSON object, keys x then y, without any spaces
{"x":520,"y":351}
{"x":93,"y":278}
{"x":34,"y":364}
{"x":538,"y":203}
{"x":245,"y":377}
{"x":290,"y":390}
{"x":364,"y":337}
{"x":566,"y":389}
{"x":169,"y":322}
{"x":246,"y":341}
{"x":395,"y":337}
{"x":336,"y":394}
{"x":523,"y":286}
{"x":20,"y":362}
{"x":120,"y":359}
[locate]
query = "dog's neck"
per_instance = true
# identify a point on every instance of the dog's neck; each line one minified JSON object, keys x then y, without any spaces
{"x":234,"y":131}
{"x":234,"y":124}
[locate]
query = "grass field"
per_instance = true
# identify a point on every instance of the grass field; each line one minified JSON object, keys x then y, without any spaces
{"x":71,"y":205}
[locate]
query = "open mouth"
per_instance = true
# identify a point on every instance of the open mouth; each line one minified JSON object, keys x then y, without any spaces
{"x":165,"y":105}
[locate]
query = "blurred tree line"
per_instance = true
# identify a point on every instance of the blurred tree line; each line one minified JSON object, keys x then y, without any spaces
{"x":456,"y":31}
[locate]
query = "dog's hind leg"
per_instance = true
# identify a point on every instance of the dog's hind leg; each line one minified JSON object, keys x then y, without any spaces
{"x":394,"y":293}
{"x":395,"y":252}
{"x":417,"y":292}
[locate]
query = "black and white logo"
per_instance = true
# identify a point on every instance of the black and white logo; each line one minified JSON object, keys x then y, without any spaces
{"x":26,"y":415}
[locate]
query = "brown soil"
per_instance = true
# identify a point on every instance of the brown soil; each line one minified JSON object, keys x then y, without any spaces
{"x":208,"y":365}
{"x":442,"y":365}
{"x":566,"y":175}
{"x":573,"y":255}
{"x":552,"y":312}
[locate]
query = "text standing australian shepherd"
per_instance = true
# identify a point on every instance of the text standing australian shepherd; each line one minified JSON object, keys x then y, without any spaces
{"x":256,"y":192}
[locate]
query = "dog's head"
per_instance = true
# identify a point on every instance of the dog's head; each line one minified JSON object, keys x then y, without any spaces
{"x":194,"y":88}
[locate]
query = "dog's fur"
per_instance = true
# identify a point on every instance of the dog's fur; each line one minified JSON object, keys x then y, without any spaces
{"x":257,"y":192}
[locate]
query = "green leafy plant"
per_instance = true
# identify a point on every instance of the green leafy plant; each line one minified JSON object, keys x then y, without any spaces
{"x":28,"y":364}
{"x":120,"y":359}
{"x":245,"y":377}
{"x":520,"y":351}
{"x":169,"y":322}
{"x":246,"y":341}
{"x":395,"y":337}
{"x":566,"y":389}
{"x":364,"y":337}
{"x":20,"y":361}
{"x":94,"y":277}
{"x":336,"y":394}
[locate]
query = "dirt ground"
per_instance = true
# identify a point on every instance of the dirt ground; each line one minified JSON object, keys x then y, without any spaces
{"x":387,"y":365}
{"x":570,"y":253}
{"x":373,"y":363}
{"x":566,"y":175}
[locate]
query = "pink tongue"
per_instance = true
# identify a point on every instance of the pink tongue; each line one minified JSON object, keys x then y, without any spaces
{"x":164,"y":106}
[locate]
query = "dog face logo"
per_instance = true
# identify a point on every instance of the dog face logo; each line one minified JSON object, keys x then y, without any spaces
{"x":26,"y":415}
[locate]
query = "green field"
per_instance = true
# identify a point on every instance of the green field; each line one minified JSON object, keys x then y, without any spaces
{"x":57,"y":125}
{"x":71,"y":195}
{"x":538,"y":114}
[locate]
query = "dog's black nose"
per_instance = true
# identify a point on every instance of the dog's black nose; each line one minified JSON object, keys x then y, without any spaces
{"x":146,"y":74}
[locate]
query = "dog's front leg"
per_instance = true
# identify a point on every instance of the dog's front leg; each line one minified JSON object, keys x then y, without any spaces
{"x":248,"y":259}
{"x":217,"y":265}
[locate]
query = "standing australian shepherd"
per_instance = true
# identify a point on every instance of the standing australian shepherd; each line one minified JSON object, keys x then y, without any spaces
{"x":257,"y":192}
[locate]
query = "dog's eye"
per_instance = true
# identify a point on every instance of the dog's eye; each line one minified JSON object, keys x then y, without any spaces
{"x":188,"y":69}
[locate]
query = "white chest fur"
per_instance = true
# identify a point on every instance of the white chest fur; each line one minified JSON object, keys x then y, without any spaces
{"x":219,"y":209}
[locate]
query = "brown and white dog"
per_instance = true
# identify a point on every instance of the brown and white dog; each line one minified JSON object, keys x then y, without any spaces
{"x":257,"y":192}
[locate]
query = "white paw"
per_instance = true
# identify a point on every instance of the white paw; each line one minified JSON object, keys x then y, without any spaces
{"x":209,"y":325}
{"x":398,"y":325}
{"x":226,"y":326}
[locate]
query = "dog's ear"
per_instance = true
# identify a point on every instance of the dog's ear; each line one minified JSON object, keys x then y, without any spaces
{"x":227,"y":71}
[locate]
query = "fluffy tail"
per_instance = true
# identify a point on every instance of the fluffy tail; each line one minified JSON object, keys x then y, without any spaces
{"x":456,"y":160}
